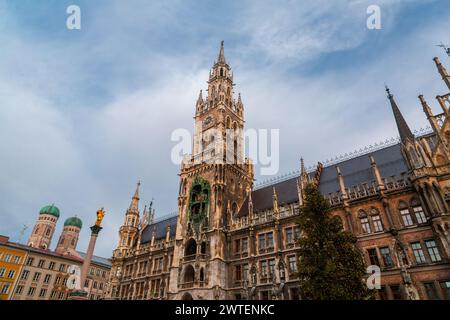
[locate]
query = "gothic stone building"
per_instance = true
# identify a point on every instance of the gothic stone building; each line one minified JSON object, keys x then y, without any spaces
{"x":230,"y":240}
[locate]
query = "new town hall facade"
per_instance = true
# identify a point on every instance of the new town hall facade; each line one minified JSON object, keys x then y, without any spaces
{"x":232,"y":241}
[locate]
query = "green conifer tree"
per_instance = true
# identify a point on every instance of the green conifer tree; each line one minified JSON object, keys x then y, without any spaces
{"x":330,"y":265}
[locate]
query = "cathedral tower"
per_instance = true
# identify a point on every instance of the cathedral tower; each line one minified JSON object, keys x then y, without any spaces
{"x":214,"y":181}
{"x":68,"y":240}
{"x":41,"y":236}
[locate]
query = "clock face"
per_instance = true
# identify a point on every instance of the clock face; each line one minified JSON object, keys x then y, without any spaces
{"x":208,"y":121}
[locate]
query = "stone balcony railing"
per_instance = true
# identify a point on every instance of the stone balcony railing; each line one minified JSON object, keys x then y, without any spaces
{"x":365,"y":190}
{"x":264,"y":217}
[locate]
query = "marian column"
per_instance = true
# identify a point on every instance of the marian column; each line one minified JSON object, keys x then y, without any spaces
{"x":79,"y":293}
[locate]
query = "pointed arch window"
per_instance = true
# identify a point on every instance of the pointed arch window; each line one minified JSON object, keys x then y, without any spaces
{"x":376,"y":220}
{"x":364,"y":220}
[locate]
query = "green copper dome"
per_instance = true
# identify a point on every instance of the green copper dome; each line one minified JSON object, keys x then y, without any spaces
{"x":52,"y":210}
{"x":73,"y":221}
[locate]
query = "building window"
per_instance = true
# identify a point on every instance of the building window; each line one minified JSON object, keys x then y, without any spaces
{"x":61,"y":295}
{"x":445,"y":286}
{"x":386,"y":255}
{"x":265,"y":241}
{"x":47,"y":278}
{"x":25,"y":274}
{"x":419,"y":214}
{"x":51,"y":265}
{"x":418,"y":252}
{"x":62,"y":267}
{"x":292,"y":262}
{"x":17,"y":259}
{"x":433,"y":250}
{"x":245,"y":271}
{"x":31,"y":291}
{"x":430,"y":290}
{"x":237,"y":245}
{"x":19,"y":290}
{"x":244,"y":245}
{"x":238,"y":272}
{"x":37,"y":276}
{"x":11,"y":274}
{"x":373,"y":257}
{"x":42,"y":293}
{"x":377,"y":225}
{"x":364,"y":220}
{"x":2,"y":272}
{"x":7,"y":257}
{"x":264,"y":269}
{"x":271,"y":267}
{"x":30,"y":261}
{"x":5,"y":288}
{"x":289,"y":235}
{"x":41,"y":263}
{"x":57,"y":280}
{"x":53,"y":294}
{"x":406,"y":217}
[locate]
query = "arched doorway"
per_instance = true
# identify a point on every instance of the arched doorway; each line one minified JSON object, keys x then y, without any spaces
{"x":187,"y":296}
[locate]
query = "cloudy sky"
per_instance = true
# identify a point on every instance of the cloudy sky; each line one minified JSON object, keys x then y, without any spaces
{"x":86,"y":113}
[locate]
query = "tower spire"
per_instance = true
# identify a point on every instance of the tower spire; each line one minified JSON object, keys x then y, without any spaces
{"x":135,"y":200}
{"x":221,"y":58}
{"x":402,"y":126}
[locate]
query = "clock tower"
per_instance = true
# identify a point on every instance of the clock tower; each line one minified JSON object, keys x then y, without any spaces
{"x":214,"y":182}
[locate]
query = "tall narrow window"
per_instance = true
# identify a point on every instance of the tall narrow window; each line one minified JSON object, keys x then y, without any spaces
{"x":419,"y":214}
{"x":418,"y":252}
{"x":406,"y":217}
{"x":377,"y":225}
{"x":365,"y":225}
{"x":433,"y":250}
{"x":292,"y":264}
{"x":430,"y":290}
{"x":386,"y":255}
{"x":445,"y":286}
{"x":373,"y":256}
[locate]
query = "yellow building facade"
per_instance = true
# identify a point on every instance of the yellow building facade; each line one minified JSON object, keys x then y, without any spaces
{"x":11,"y":262}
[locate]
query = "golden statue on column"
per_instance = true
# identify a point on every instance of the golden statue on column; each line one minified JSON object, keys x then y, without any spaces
{"x":100,"y":215}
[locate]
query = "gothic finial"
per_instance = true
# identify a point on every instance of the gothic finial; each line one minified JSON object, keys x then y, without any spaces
{"x":136,"y":193}
{"x":388,"y":92}
{"x":221,"y":58}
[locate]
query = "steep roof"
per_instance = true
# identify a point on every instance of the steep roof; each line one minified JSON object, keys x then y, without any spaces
{"x":355,"y":172}
{"x":105,"y":262}
{"x":160,"y":228}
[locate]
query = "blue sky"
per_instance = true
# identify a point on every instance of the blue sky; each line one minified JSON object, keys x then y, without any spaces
{"x":86,"y":113}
